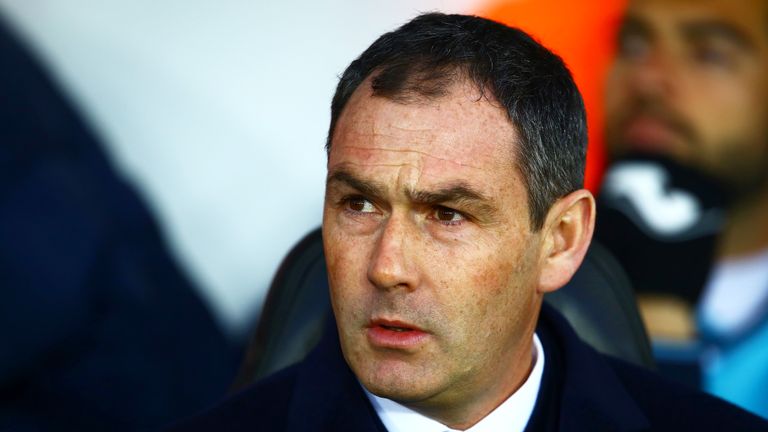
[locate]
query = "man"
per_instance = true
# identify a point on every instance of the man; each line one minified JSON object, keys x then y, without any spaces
{"x":453,"y":203}
{"x":690,"y":82}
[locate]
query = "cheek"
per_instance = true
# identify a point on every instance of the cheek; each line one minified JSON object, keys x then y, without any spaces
{"x":729,"y":106}
{"x":504,"y":287}
{"x":614,"y":90}
{"x":485,"y":286}
{"x":618,"y":89}
{"x":346,"y":264}
{"x":615,"y":97}
{"x":732,"y":124}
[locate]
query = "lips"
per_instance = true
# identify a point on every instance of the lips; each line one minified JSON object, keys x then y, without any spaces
{"x":393,"y":334}
{"x":650,"y":134}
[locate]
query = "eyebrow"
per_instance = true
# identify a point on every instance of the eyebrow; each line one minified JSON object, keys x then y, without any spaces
{"x":370,"y":188}
{"x":694,"y":30}
{"x":457,"y":192}
{"x":633,"y":24}
{"x":699,"y":30}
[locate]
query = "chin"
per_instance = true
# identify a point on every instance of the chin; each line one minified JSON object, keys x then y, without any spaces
{"x":403,"y":393}
{"x":399,"y":382}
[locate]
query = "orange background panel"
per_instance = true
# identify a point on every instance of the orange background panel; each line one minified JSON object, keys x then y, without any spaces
{"x":582,"y":33}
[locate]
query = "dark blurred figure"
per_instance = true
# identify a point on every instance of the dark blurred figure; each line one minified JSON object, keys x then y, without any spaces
{"x":99,"y":330}
{"x":687,"y":129}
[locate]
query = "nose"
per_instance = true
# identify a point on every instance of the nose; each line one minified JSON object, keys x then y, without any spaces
{"x":653,"y":75}
{"x":391,"y":266}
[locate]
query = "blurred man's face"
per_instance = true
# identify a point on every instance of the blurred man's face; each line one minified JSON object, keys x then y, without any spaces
{"x":432,"y":263}
{"x":691,"y":81}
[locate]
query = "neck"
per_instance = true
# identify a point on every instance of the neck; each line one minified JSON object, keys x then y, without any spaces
{"x":746,"y":229}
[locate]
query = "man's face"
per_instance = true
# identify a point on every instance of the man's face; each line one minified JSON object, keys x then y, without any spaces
{"x":691,"y":81}
{"x":431,"y":259}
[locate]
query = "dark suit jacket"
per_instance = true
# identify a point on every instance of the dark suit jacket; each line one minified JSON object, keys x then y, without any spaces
{"x":581,"y":390}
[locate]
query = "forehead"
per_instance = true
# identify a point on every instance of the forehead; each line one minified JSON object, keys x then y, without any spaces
{"x":461,"y":133}
{"x":747,"y":16}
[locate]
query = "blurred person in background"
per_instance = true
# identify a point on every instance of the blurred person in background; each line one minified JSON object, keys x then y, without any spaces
{"x":99,"y":329}
{"x":690,"y":85}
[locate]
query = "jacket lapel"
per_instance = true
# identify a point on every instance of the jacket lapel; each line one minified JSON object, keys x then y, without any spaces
{"x":591,"y":397}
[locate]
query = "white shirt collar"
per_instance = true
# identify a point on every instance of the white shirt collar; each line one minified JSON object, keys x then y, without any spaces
{"x":512,"y":415}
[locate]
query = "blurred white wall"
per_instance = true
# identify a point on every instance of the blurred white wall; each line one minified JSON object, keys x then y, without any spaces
{"x":217,"y":111}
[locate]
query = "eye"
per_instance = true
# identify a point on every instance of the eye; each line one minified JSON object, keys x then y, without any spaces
{"x":713,"y":56}
{"x":633,"y":46}
{"x":358,"y":204}
{"x":447,"y":216}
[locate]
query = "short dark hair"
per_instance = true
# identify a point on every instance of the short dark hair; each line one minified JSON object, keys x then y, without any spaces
{"x":428,"y":54}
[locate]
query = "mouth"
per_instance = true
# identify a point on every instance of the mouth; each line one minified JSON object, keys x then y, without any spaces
{"x":651,"y":134}
{"x":397,"y":329}
{"x":394,"y":325}
{"x":393,"y":334}
{"x":647,"y":131}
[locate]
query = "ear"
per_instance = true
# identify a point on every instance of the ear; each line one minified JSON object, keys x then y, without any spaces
{"x":567,"y":233}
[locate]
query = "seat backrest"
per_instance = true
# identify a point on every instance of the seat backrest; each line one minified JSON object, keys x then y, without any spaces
{"x":598,"y":302}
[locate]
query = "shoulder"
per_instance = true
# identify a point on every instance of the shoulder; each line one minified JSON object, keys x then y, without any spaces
{"x":263,"y":405}
{"x":669,"y":405}
{"x":597,"y":389}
